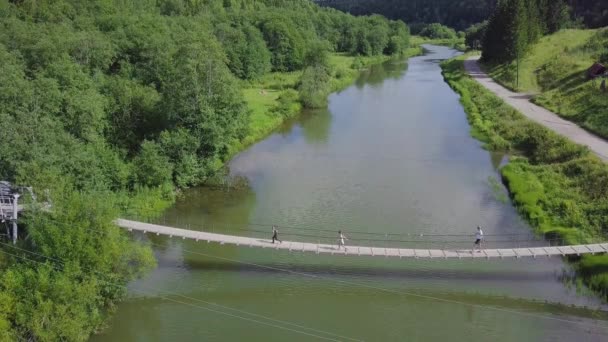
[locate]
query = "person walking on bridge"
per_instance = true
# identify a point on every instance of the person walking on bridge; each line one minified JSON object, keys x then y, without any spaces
{"x":275,"y":235}
{"x":478,"y":238}
{"x":341,"y":239}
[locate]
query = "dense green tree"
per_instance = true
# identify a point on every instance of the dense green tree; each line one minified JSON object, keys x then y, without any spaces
{"x":285,"y":43}
{"x":317,"y":55}
{"x":248,"y":57}
{"x":399,"y":38}
{"x":377,"y":34}
{"x":132,"y":112}
{"x":181,"y":147}
{"x":438,"y":31}
{"x":461,"y":14}
{"x":458,"y":14}
{"x":474,"y":35}
{"x":152,"y":165}
{"x":507,"y":35}
{"x":203,"y":97}
{"x":314,"y":87}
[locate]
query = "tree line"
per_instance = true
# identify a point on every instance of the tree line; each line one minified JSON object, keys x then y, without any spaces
{"x":458,"y":14}
{"x":112,"y":104}
{"x":516,"y":24}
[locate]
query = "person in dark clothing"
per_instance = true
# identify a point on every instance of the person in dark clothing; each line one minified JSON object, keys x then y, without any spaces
{"x":275,"y":235}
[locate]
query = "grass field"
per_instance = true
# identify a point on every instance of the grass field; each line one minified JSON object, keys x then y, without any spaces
{"x":559,"y":187}
{"x":554,"y":70}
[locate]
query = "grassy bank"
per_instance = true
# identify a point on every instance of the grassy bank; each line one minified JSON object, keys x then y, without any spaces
{"x":555,"y":71}
{"x":558,"y":186}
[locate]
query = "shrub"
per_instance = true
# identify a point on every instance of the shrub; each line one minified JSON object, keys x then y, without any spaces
{"x":438,"y":31}
{"x":152,"y":166}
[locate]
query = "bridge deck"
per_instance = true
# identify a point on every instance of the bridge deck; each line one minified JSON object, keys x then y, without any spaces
{"x":361,"y":250}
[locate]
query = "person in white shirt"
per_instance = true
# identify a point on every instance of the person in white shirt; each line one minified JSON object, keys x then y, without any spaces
{"x":478,"y":238}
{"x":341,"y":239}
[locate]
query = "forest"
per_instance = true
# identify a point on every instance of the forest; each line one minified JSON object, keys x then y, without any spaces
{"x":458,"y":14}
{"x":109,"y":106}
{"x":517,"y":24}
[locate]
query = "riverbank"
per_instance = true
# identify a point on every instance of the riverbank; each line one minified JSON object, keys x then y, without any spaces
{"x":559,"y":187}
{"x":537,"y":113}
{"x":553,"y":72}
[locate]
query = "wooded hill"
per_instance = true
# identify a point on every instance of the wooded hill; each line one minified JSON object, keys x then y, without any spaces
{"x":458,"y":14}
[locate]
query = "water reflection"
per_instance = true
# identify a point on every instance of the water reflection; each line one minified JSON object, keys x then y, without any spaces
{"x":316,"y":125}
{"x":376,"y":74}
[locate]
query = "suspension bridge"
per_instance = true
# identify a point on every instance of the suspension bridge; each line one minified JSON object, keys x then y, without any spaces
{"x":354,"y":250}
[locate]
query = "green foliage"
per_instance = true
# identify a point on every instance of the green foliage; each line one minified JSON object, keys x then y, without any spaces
{"x":555,"y":69}
{"x":398,"y":41}
{"x":475,"y":34}
{"x":317,"y":55}
{"x":285,"y":42}
{"x":458,"y":14}
{"x":595,"y":269}
{"x":287,"y":103}
{"x":84,"y":262}
{"x":248,"y":56}
{"x":314,"y":87}
{"x":461,"y":14}
{"x":438,"y":31}
{"x":180,"y":146}
{"x":153,"y":167}
{"x":516,"y":24}
{"x":558,"y":186}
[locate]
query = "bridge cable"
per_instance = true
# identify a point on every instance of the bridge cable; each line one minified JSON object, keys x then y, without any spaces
{"x":304,"y":274}
{"x":333,"y":239}
{"x":229,"y":224}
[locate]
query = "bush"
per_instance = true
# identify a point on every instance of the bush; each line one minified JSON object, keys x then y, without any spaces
{"x":474,"y":35}
{"x":314,"y":87}
{"x":152,"y":166}
{"x":438,"y":31}
{"x":287,"y":103}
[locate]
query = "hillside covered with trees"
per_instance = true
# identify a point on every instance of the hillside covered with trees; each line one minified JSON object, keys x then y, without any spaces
{"x":108,"y":106}
{"x":517,"y":24}
{"x":458,"y":14}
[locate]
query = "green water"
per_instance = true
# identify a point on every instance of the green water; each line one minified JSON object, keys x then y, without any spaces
{"x":392,"y":154}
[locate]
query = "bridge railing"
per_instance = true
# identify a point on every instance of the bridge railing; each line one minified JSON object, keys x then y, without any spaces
{"x":363,"y":239}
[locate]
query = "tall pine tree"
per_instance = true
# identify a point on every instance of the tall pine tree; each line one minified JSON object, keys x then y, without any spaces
{"x":516,"y":24}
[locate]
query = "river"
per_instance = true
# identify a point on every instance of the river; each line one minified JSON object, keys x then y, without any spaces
{"x":391,"y":154}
